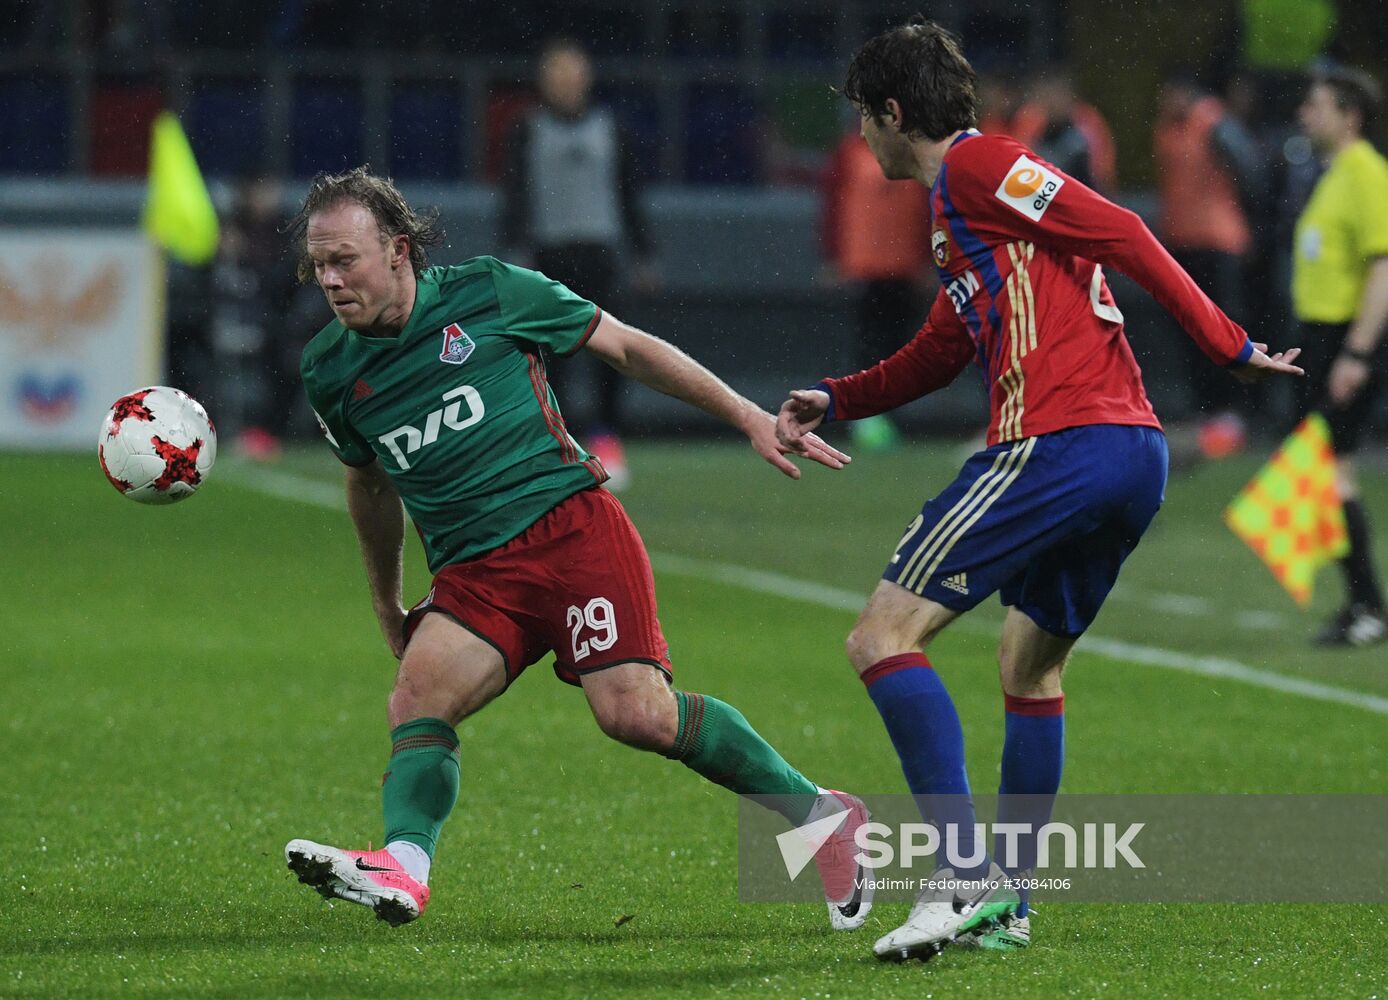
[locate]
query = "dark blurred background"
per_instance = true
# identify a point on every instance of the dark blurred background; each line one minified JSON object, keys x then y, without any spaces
{"x":734,"y":135}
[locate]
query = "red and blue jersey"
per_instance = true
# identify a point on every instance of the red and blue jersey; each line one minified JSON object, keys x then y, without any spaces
{"x":1020,"y":248}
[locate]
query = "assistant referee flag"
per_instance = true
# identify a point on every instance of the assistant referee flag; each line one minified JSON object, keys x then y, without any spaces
{"x":1290,"y":512}
{"x":179,"y":214}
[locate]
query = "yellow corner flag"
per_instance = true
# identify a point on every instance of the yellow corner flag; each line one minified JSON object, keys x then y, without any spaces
{"x":179,"y":214}
{"x":1290,"y":512}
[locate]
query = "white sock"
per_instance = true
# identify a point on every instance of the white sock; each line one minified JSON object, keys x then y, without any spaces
{"x":825,"y":804}
{"x":412,"y":858}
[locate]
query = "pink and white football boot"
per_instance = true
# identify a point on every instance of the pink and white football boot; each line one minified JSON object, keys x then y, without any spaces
{"x":371,"y":878}
{"x":848,"y":886}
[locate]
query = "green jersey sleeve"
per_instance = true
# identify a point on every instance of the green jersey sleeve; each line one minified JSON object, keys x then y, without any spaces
{"x":328,"y":406}
{"x":542,"y":311}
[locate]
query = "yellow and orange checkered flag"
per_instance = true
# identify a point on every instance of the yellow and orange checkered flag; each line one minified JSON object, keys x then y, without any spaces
{"x":1290,"y":512}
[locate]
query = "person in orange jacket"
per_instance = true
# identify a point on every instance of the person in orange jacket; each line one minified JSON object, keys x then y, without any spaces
{"x":876,"y":239}
{"x":1208,"y":173}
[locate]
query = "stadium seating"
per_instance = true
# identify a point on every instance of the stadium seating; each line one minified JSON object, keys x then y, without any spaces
{"x":37,"y":125}
{"x":221,"y":115}
{"x":426,"y":131}
{"x":326,"y":118}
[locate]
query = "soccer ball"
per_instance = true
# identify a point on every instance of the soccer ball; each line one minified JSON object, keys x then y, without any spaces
{"x":157,"y":445}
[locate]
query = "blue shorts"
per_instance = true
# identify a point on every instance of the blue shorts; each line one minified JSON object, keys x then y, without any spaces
{"x":1045,"y":521}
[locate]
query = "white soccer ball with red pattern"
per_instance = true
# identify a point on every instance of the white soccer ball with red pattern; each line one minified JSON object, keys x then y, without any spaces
{"x":157,"y":445}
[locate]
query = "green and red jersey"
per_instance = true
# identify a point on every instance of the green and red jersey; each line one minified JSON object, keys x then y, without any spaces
{"x":457,"y":407}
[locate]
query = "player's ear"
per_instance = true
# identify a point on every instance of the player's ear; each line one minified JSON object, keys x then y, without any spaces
{"x":399,"y":251}
{"x":894,"y":116}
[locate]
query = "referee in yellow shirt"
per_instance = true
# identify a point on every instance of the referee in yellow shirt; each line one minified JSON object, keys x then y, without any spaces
{"x":1340,"y":295}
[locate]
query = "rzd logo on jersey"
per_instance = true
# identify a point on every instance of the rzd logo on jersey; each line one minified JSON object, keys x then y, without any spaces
{"x":450,"y":416}
{"x":1029,"y":187}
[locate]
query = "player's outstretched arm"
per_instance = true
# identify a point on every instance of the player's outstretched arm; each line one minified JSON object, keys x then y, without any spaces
{"x":667,"y":369}
{"x":931,"y":360}
{"x":379,"y":518}
{"x":1075,"y":219}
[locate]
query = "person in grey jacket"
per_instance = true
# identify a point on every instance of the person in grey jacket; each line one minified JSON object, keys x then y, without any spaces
{"x":573,"y":210}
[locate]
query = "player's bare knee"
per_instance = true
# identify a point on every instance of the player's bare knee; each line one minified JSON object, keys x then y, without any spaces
{"x":1031,"y":680}
{"x":1045,"y":686}
{"x":867,"y":645}
{"x":634,"y":730}
{"x":414,"y":698}
{"x":860,"y":647}
{"x":433,"y":684}
{"x":406,"y":703}
{"x":870,"y":642}
{"x":639,"y":720}
{"x":1030,"y":659}
{"x":633,"y":704}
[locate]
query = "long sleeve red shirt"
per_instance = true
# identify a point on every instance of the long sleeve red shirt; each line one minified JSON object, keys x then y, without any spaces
{"x":1020,"y":248}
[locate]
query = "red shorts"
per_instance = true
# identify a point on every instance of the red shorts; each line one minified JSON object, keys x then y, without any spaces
{"x":577,"y":582}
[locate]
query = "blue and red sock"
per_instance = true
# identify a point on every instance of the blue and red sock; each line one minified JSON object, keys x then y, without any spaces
{"x":1033,"y":757}
{"x":924,"y":728}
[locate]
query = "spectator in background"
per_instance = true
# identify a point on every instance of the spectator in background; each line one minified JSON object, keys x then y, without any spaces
{"x":1340,"y":294}
{"x":998,"y":99}
{"x":187,"y":348}
{"x":1277,"y":40}
{"x":1066,"y":131}
{"x":292,"y":317}
{"x":876,"y":238}
{"x":573,"y":205}
{"x":1208,"y":176}
{"x":1267,"y":268}
{"x":1294,"y":174}
{"x":254,"y":360}
{"x":121,"y":25}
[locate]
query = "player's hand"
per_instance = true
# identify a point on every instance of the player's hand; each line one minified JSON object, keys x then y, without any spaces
{"x":1347,"y":376}
{"x":761,"y":430}
{"x":1261,"y":364}
{"x":799,"y":415}
{"x":392,"y":619}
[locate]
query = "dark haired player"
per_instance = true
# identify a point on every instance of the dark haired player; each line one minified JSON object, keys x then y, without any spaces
{"x":1072,"y":475}
{"x":431,"y":388}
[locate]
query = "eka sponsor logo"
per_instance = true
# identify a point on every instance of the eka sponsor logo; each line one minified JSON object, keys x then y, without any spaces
{"x":1029,"y":187}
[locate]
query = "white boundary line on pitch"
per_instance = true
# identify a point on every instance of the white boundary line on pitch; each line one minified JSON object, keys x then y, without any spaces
{"x":1191,"y":606}
{"x":302,"y":489}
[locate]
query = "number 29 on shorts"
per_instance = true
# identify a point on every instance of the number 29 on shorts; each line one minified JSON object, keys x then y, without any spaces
{"x":599,"y":619}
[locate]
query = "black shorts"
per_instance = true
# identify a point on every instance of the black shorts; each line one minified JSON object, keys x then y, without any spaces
{"x":1320,"y":344}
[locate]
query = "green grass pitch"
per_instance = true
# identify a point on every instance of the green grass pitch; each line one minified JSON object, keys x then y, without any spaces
{"x":187,"y":688}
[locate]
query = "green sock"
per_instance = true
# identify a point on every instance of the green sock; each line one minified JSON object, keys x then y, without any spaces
{"x":716,"y":741}
{"x":421,"y":781}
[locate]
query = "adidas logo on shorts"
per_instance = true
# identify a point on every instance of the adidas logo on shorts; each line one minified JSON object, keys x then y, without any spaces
{"x":958,"y":582}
